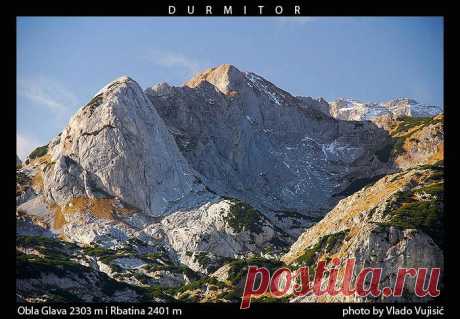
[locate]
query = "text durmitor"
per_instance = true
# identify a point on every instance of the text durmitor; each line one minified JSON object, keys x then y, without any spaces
{"x":230,"y":10}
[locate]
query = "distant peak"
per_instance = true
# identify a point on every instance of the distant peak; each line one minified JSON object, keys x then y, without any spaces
{"x":159,"y":89}
{"x":403,"y":100}
{"x":225,"y":77}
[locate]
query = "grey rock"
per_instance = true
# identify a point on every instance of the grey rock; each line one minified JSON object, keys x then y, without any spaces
{"x":118,"y":146}
{"x":254,"y":141}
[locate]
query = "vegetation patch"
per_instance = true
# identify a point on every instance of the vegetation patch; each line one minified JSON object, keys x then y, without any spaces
{"x":148,"y":294}
{"x":98,"y":251}
{"x":23,"y":181}
{"x":33,"y":266}
{"x":237,"y":274}
{"x":60,"y":295}
{"x":41,"y":241}
{"x":182,"y":269}
{"x":327,"y":244}
{"x":152,"y":256}
{"x":108,"y":256}
{"x":188,"y":293}
{"x":408,"y":123}
{"x":412,"y":210}
{"x":49,"y":247}
{"x":199,"y":284}
{"x":239,"y":267}
{"x":267,"y":299}
{"x":203,"y":259}
{"x":39,"y":152}
{"x":243,"y":217}
{"x":437,"y":170}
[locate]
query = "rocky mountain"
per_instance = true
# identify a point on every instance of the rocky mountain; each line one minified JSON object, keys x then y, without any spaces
{"x":171,"y":192}
{"x":353,"y":110}
{"x":253,"y":141}
{"x":117,"y":146}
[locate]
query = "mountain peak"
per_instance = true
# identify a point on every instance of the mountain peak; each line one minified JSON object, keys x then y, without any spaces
{"x":159,"y":89}
{"x":225,"y":77}
{"x":124,"y":79}
{"x":406,"y":100}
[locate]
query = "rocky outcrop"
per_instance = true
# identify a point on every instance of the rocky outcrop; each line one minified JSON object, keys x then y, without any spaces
{"x":416,"y":141}
{"x":319,"y":104}
{"x":397,"y":222}
{"x":206,"y":237}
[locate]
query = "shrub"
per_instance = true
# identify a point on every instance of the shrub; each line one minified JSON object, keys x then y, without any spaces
{"x":203,"y":259}
{"x":39,"y":152}
{"x":239,"y":267}
{"x":32,"y":266}
{"x":408,"y":122}
{"x":426,"y":215}
{"x":326,"y":244}
{"x":98,"y":251}
{"x":244,"y":217}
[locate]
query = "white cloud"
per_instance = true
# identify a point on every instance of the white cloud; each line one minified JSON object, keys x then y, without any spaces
{"x":175,"y":60}
{"x":48,"y":97}
{"x":25,"y":145}
{"x":49,"y":93}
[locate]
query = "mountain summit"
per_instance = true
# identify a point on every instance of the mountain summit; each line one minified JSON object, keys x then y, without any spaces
{"x":225,"y":77}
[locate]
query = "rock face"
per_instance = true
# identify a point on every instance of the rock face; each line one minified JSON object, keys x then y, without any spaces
{"x":397,"y":222}
{"x":353,"y":110}
{"x":416,"y":141}
{"x":254,"y":141}
{"x":317,"y":104}
{"x":118,"y":146}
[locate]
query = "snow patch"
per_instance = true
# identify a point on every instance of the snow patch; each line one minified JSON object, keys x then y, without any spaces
{"x":263,"y":86}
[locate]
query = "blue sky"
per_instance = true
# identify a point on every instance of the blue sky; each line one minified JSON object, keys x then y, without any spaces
{"x":63,"y":62}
